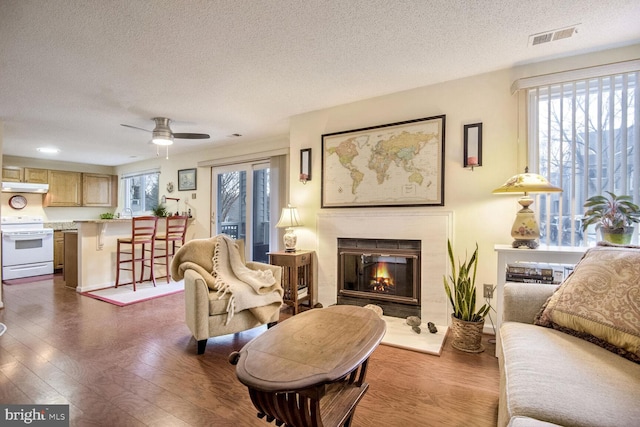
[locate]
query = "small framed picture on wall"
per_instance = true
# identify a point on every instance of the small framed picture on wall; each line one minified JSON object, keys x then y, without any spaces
{"x":187,"y":179}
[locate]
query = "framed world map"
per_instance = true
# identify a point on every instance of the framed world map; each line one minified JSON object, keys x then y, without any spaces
{"x":398,"y":164}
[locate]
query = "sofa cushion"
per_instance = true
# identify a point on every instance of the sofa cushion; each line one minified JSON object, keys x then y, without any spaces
{"x":600,"y":301}
{"x":558,"y":378}
{"x":528,"y":422}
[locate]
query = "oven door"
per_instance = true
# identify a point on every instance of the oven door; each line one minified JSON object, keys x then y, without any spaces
{"x":27,"y":253}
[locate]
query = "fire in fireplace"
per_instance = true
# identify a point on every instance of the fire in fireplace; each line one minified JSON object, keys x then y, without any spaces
{"x":380,"y":271}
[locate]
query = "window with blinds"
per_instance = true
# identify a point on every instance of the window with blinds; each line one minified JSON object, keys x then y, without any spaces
{"x":583,"y":137}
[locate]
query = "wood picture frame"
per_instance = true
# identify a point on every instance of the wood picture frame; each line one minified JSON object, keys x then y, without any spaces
{"x":396,"y":164}
{"x":187,"y":179}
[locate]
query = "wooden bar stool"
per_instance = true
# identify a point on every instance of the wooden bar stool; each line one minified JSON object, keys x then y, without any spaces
{"x":143,"y":233}
{"x":170,"y":241}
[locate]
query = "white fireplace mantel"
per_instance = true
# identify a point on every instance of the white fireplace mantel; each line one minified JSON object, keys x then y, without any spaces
{"x":431,"y":228}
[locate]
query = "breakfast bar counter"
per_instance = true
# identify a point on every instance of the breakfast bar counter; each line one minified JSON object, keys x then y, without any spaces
{"x":97,"y":247}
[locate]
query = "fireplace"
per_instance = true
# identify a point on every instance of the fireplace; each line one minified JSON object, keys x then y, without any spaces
{"x":385,"y":272}
{"x":431,"y":227}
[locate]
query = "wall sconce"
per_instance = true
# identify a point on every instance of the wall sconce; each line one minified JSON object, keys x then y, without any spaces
{"x":305,"y":165}
{"x":473,"y":145}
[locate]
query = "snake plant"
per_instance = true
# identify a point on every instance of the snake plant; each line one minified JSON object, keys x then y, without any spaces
{"x":461,"y":288}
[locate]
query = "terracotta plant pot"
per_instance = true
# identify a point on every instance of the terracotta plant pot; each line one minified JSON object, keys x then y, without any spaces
{"x":467,"y":336}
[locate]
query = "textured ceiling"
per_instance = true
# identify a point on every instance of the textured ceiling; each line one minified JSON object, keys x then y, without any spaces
{"x":71,"y":71}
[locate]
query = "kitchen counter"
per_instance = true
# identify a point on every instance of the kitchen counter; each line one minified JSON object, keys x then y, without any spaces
{"x":61,"y":225}
{"x":97,"y":251}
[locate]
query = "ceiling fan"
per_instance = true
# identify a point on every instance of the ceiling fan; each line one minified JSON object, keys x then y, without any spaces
{"x":162,"y":134}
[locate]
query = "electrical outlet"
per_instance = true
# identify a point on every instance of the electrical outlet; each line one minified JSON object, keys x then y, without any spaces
{"x":488,"y":291}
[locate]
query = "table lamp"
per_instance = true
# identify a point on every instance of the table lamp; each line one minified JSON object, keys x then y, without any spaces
{"x":289,"y":219}
{"x":525,"y":230}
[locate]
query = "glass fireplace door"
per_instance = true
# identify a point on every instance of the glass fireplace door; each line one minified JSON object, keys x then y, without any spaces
{"x":379,"y":276}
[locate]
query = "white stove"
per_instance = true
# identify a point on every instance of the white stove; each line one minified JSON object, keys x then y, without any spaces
{"x":27,"y":247}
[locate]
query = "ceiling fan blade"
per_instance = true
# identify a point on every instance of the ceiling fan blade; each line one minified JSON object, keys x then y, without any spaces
{"x":134,"y":127}
{"x":191,"y":135}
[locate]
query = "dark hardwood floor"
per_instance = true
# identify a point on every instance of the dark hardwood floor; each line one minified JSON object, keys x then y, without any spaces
{"x":137,"y":366}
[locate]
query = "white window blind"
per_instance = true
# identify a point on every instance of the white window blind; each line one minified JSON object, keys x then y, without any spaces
{"x":583,"y":138}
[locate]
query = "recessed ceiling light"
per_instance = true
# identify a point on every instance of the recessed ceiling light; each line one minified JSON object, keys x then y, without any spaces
{"x":48,"y":150}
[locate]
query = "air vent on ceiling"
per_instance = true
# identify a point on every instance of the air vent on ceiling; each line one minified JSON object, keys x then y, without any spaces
{"x":552,"y":36}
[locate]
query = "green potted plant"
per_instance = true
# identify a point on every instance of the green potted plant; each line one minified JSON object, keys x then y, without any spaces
{"x":467,"y":322}
{"x":613,"y":215}
{"x":160,"y":211}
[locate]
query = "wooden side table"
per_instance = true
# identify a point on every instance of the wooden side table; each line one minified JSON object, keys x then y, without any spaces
{"x":297,"y":277}
{"x":310,"y":370}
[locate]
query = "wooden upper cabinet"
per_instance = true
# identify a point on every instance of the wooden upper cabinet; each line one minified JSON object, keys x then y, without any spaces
{"x":65,"y":189}
{"x":12,"y":174}
{"x":99,"y":190}
{"x":36,"y":176}
{"x":32,"y":175}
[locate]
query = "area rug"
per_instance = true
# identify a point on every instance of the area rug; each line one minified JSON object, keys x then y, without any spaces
{"x":28,"y":279}
{"x":124,"y":295}
{"x":399,"y":334}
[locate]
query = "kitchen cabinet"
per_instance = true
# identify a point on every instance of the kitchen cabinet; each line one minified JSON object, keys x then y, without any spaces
{"x":58,"y":250}
{"x":36,"y":176}
{"x":12,"y":174}
{"x":99,"y":190}
{"x":65,"y":189}
{"x":31,"y":175}
{"x":70,"y":272}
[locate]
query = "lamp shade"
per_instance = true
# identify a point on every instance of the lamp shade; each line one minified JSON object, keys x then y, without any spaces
{"x":289,"y":218}
{"x":527,"y":183}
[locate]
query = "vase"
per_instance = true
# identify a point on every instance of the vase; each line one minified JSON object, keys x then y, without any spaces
{"x":467,"y":336}
{"x":620,"y":236}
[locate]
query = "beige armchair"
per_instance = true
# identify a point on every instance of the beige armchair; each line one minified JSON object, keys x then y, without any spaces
{"x":208,"y":311}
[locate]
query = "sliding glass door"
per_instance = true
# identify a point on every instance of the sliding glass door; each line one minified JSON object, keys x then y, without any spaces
{"x":241,"y":206}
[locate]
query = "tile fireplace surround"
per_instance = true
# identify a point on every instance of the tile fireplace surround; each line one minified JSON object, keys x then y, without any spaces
{"x":432,"y":228}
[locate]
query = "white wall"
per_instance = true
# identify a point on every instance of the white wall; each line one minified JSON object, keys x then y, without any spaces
{"x":201,"y":205}
{"x":479,"y":216}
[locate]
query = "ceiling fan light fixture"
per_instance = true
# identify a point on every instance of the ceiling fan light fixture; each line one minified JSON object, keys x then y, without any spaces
{"x":162,"y":133}
{"x":162,"y":140}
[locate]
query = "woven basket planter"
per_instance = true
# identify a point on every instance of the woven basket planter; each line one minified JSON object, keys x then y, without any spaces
{"x":467,"y":336}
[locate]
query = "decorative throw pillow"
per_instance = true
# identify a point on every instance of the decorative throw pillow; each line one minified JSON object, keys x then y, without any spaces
{"x":600,"y":301}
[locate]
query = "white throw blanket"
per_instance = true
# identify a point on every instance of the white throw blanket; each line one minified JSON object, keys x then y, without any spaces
{"x":248,"y":288}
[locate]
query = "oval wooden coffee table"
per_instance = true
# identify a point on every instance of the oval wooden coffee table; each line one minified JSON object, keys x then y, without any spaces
{"x":310,"y":369}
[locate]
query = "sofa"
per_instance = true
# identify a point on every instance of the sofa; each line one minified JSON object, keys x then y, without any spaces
{"x":570,"y":355}
{"x":208,"y":310}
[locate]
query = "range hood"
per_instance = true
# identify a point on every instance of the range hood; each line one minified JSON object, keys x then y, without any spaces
{"x":24,"y":187}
